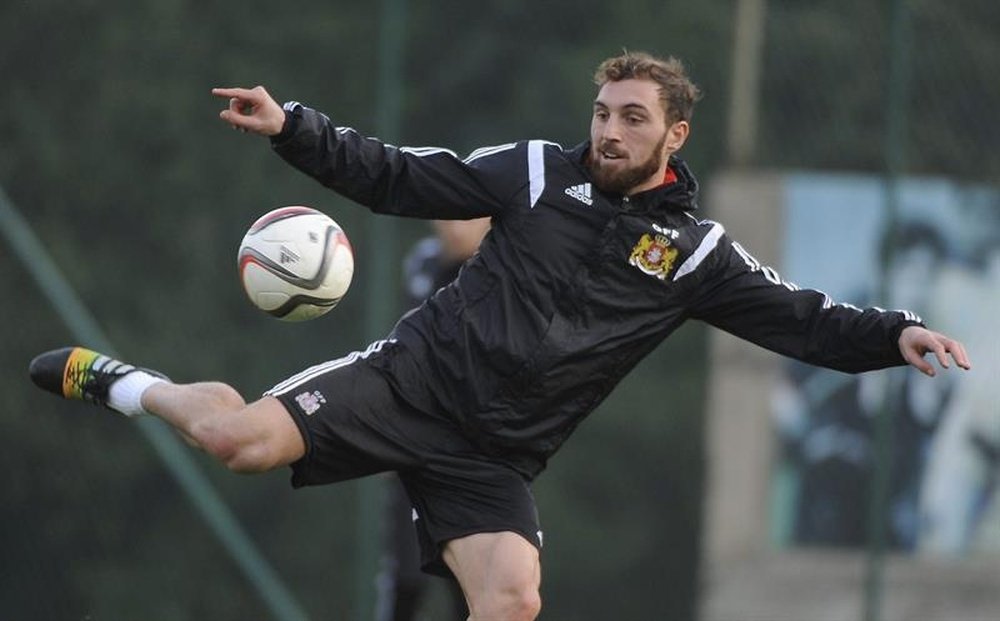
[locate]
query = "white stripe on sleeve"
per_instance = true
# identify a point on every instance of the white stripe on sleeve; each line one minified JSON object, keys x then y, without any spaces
{"x":484,"y":151}
{"x":425,"y":151}
{"x":708,"y":243}
{"x":536,"y":170}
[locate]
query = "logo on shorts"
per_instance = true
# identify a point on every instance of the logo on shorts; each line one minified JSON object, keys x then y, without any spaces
{"x":310,"y":401}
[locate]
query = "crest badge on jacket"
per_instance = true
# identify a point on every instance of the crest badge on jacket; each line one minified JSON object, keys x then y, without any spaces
{"x":654,"y":255}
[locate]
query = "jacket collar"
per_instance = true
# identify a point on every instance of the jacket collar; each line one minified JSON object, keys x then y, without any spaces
{"x":680,"y":195}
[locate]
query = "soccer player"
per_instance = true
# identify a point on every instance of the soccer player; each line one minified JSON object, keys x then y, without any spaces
{"x":595,"y":255}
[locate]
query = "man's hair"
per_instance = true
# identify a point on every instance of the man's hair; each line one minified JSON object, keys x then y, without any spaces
{"x":677,"y":92}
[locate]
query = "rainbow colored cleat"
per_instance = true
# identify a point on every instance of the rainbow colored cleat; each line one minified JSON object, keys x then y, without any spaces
{"x":77,"y":373}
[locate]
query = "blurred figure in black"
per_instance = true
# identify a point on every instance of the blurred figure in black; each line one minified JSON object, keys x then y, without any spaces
{"x":432,"y":263}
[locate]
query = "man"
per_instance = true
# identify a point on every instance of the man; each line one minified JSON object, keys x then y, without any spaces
{"x":593,"y":258}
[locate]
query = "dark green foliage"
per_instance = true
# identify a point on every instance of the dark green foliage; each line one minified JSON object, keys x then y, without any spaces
{"x":824,"y":87}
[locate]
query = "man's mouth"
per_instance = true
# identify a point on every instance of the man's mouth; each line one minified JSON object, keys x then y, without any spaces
{"x":610,"y":155}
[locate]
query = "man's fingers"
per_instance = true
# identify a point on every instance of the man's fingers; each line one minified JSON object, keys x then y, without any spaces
{"x":232,"y":92}
{"x":238,"y":120}
{"x":944,"y":349}
{"x":941,"y":352}
{"x":242,"y":106}
{"x":959,"y":354}
{"x":231,"y":116}
{"x":914,"y":344}
{"x":241,"y":100}
{"x":917,"y":360}
{"x":252,"y":110}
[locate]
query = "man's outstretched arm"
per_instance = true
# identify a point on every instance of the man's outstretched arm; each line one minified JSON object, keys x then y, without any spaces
{"x":421,"y":182}
{"x":751,"y":301}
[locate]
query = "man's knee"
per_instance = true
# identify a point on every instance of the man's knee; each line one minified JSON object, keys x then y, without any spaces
{"x":534,"y":605}
{"x":522,"y":603}
{"x":500,"y":575}
{"x":526,"y":604}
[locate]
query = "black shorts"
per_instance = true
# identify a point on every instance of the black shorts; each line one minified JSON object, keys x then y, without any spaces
{"x":354,"y":424}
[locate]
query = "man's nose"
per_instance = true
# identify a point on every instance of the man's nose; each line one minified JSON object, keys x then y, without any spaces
{"x":612,"y":130}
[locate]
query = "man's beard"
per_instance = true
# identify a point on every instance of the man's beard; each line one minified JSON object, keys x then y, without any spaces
{"x":622,"y":181}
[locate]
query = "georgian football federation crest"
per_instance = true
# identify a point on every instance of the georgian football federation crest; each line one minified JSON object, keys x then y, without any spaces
{"x":654,"y":255}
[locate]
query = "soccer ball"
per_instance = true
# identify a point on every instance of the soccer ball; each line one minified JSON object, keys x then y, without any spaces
{"x":295,"y":263}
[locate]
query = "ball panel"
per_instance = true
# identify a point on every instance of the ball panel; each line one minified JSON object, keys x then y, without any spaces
{"x":303,"y":307}
{"x":269,"y":300}
{"x":251,"y":255}
{"x":280,"y":214}
{"x":339,"y":272}
{"x":266,"y":290}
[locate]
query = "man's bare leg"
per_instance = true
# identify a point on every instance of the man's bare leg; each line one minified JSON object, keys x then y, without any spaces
{"x":210,"y":415}
{"x":214,"y":417}
{"x":500,"y":574}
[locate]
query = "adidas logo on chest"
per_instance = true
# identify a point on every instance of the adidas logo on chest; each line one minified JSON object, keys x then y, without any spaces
{"x":581,"y":193}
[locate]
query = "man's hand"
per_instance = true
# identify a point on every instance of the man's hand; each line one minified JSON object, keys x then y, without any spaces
{"x":252,"y":110}
{"x":915,"y":341}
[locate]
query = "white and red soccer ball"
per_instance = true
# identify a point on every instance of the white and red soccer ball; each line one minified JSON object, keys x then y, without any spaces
{"x":295,"y":263}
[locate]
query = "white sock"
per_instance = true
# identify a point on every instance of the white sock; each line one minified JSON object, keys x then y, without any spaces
{"x":125,"y":395}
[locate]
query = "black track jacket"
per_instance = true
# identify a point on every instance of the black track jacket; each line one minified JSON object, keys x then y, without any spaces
{"x":571,"y":287}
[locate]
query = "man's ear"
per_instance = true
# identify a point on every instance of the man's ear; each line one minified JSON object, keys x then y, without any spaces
{"x":676,"y":136}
